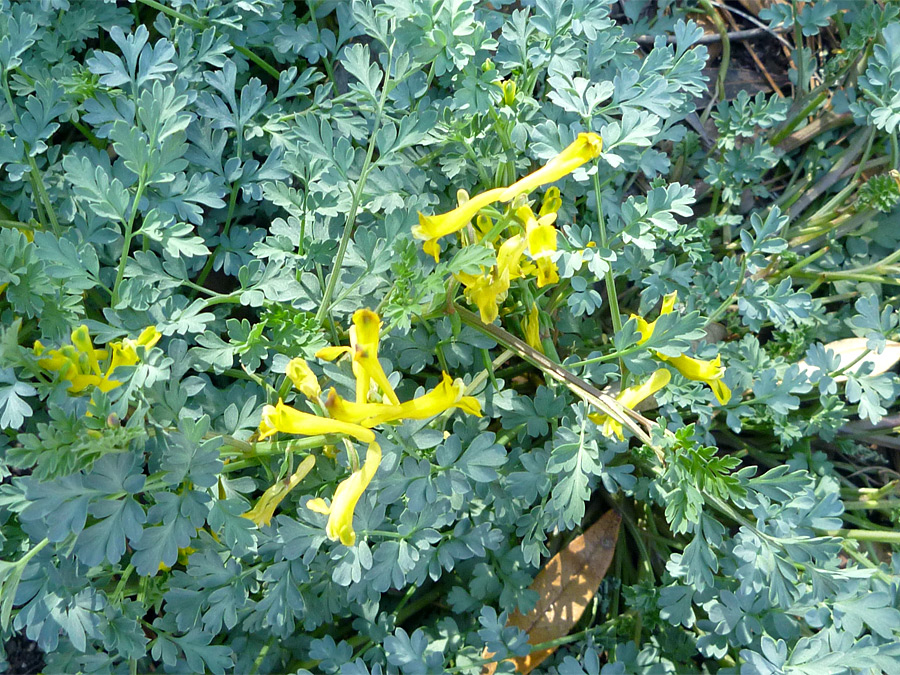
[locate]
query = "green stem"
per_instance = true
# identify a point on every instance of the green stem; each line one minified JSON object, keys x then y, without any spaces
{"x":207,"y":268}
{"x":608,"y":278}
{"x":884,"y":537}
{"x":726,"y":47}
{"x":129,"y":234}
{"x":788,"y":128}
{"x":722,"y":308}
{"x":802,"y":80}
{"x":584,"y":390}
{"x":874,"y":504}
{"x":37,"y":182}
{"x":350,"y":222}
{"x":200,"y":24}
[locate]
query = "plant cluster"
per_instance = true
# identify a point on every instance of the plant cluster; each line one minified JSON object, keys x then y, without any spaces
{"x":325,"y":325}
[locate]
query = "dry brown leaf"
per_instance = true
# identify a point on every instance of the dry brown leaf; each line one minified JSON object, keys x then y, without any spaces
{"x":565,"y":586}
{"x":851,"y":349}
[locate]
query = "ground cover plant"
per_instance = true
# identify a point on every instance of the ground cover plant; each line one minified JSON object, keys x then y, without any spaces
{"x":417,"y":337}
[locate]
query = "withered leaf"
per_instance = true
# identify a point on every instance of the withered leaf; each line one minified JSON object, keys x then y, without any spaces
{"x":565,"y":586}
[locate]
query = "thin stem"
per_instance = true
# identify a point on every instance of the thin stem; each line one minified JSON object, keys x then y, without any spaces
{"x":207,"y":268}
{"x":608,"y":278}
{"x":584,"y":390}
{"x":37,"y":183}
{"x":350,"y":222}
{"x":721,"y":309}
{"x":129,"y":234}
{"x":882,"y":536}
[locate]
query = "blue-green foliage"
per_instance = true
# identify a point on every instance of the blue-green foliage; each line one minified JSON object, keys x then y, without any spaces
{"x":195,"y":169}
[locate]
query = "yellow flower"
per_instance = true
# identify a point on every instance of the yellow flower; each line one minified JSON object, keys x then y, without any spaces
{"x":552,"y":201}
{"x":710,"y":372}
{"x":432,"y":228}
{"x":646,"y":329}
{"x":541,"y":244}
{"x":303,"y":378}
{"x":265,"y":506}
{"x":509,"y":256}
{"x":124,"y":353}
{"x":364,"y":337}
{"x":349,"y":411}
{"x":80,"y":363}
{"x":448,"y":394}
{"x":487,"y":292}
{"x":531,"y":328}
{"x":289,"y":420}
{"x":584,"y":148}
{"x":629,"y":398}
{"x":346,"y":496}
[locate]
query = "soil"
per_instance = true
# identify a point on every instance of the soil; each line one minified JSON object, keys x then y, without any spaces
{"x":23,"y":656}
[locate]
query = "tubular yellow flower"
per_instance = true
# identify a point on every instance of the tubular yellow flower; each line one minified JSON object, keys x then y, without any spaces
{"x":432,"y":228}
{"x":541,"y":244}
{"x":289,"y":420}
{"x":367,"y":327}
{"x":583,"y":149}
{"x":646,"y":328}
{"x":364,"y":337}
{"x":346,"y":496}
{"x":448,"y":394}
{"x":552,"y":202}
{"x":629,"y":398}
{"x":124,"y":353}
{"x":531,"y":328}
{"x":348,"y":411}
{"x":303,"y":378}
{"x":265,"y":506}
{"x":710,"y":372}
{"x":509,"y":257}
{"x":486,"y":291}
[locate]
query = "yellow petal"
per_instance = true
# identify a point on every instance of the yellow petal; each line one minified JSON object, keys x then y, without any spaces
{"x":303,"y":378}
{"x":552,"y":201}
{"x":696,"y":369}
{"x":331,"y":353}
{"x":149,"y":337}
{"x":346,"y":496}
{"x":448,"y":394}
{"x":265,"y":506}
{"x":486,"y":293}
{"x":364,"y":339}
{"x":583,"y":149}
{"x":348,"y":411}
{"x":629,"y":398}
{"x":318,"y":505}
{"x":720,"y":390}
{"x":432,"y":228}
{"x":289,"y":420}
{"x":81,"y":340}
{"x":531,"y":328}
{"x":710,"y":372}
{"x":668,"y":303}
{"x":509,"y":256}
{"x":547,"y":272}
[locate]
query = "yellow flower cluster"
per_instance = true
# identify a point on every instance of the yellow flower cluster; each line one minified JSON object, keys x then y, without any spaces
{"x":84,"y":367}
{"x":351,"y":418}
{"x":584,"y":148}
